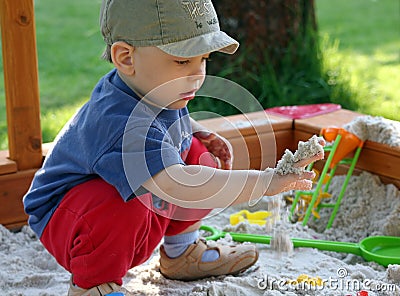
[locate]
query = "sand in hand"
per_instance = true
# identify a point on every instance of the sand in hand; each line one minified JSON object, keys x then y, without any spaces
{"x":304,"y":150}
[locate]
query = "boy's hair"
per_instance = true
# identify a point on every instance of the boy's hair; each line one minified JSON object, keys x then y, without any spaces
{"x":184,"y":28}
{"x":107,"y":53}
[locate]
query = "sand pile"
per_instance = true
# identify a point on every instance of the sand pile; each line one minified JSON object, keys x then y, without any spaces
{"x":369,"y":208}
{"x":26,"y":268}
{"x":376,"y":129}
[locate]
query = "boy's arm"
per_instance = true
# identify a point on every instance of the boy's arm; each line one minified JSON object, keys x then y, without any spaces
{"x":202,"y":187}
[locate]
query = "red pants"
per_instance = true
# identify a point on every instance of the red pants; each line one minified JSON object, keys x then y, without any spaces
{"x":98,"y":237}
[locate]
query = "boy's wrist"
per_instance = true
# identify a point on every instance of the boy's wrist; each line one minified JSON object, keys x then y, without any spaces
{"x":267,"y":176}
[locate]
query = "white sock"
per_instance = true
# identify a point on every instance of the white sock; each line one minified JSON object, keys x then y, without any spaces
{"x":176,"y":245}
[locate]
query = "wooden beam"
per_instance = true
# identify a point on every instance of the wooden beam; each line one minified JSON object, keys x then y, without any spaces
{"x":21,"y":82}
{"x":7,"y":166}
{"x":12,"y":189}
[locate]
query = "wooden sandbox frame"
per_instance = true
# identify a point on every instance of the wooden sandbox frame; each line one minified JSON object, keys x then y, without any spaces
{"x":257,"y":142}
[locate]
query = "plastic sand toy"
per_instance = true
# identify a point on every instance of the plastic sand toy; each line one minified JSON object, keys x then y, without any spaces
{"x":304,"y":278}
{"x":344,"y":143}
{"x":259,"y":217}
{"x":384,"y":250}
{"x":304,"y":202}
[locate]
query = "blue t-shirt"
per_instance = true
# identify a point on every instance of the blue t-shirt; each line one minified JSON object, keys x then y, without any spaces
{"x":114,"y":136}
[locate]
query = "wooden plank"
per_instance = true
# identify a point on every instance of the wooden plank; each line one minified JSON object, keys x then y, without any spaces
{"x":21,"y":82}
{"x":225,"y":126}
{"x":379,"y":163}
{"x":383,"y":148}
{"x":342,"y":170}
{"x":7,"y":166}
{"x":260,"y":151}
{"x":241,"y":155}
{"x":315,"y":124}
{"x":284,"y":140}
{"x":266,"y":123}
{"x":12,"y":189}
{"x":247,"y":124}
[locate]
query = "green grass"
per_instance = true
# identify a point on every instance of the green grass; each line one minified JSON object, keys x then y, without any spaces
{"x":359,"y":40}
{"x":69,"y":48}
{"x":361,"y":45}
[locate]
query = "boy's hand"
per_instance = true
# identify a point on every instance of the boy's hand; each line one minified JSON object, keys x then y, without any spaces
{"x":303,"y":181}
{"x":217,"y":146}
{"x":283,"y":183}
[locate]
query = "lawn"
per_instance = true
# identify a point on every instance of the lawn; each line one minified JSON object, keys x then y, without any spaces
{"x":360,"y":39}
{"x":364,"y":50}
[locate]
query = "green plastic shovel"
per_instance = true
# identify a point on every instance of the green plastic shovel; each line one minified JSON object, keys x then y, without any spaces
{"x":384,"y":250}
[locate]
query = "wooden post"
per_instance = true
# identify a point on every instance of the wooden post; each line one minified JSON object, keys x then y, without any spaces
{"x":21,"y":82}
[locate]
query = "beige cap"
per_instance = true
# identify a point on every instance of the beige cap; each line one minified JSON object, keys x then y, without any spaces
{"x":183,"y":28}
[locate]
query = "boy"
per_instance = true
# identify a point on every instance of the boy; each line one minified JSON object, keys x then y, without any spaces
{"x":125,"y":172}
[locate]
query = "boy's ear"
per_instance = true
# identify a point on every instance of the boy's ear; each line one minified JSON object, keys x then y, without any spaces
{"x":122,"y":57}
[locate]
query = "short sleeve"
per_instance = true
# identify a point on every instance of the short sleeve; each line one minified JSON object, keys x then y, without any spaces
{"x":146,"y":152}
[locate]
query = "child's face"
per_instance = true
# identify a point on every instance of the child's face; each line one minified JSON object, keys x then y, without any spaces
{"x":165,"y":80}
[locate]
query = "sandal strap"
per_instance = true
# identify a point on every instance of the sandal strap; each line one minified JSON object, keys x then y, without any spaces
{"x":197,"y":250}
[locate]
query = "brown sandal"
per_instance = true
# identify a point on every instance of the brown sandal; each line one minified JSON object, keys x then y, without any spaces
{"x":101,"y":290}
{"x":188,"y":266}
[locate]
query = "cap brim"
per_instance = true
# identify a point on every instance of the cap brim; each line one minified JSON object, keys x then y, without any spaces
{"x":203,"y":44}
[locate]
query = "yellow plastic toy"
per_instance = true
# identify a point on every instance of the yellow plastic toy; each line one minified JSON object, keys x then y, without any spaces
{"x":304,"y":278}
{"x":305,"y":199}
{"x":259,"y":217}
{"x":306,"y":202}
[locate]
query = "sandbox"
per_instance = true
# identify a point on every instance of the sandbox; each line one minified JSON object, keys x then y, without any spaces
{"x":371,"y":206}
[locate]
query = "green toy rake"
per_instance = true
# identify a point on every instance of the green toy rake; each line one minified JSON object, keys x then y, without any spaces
{"x":344,"y":143}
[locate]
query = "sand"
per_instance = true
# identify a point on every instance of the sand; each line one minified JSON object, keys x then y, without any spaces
{"x":304,"y":150}
{"x":369,"y":208}
{"x":375,"y":128}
